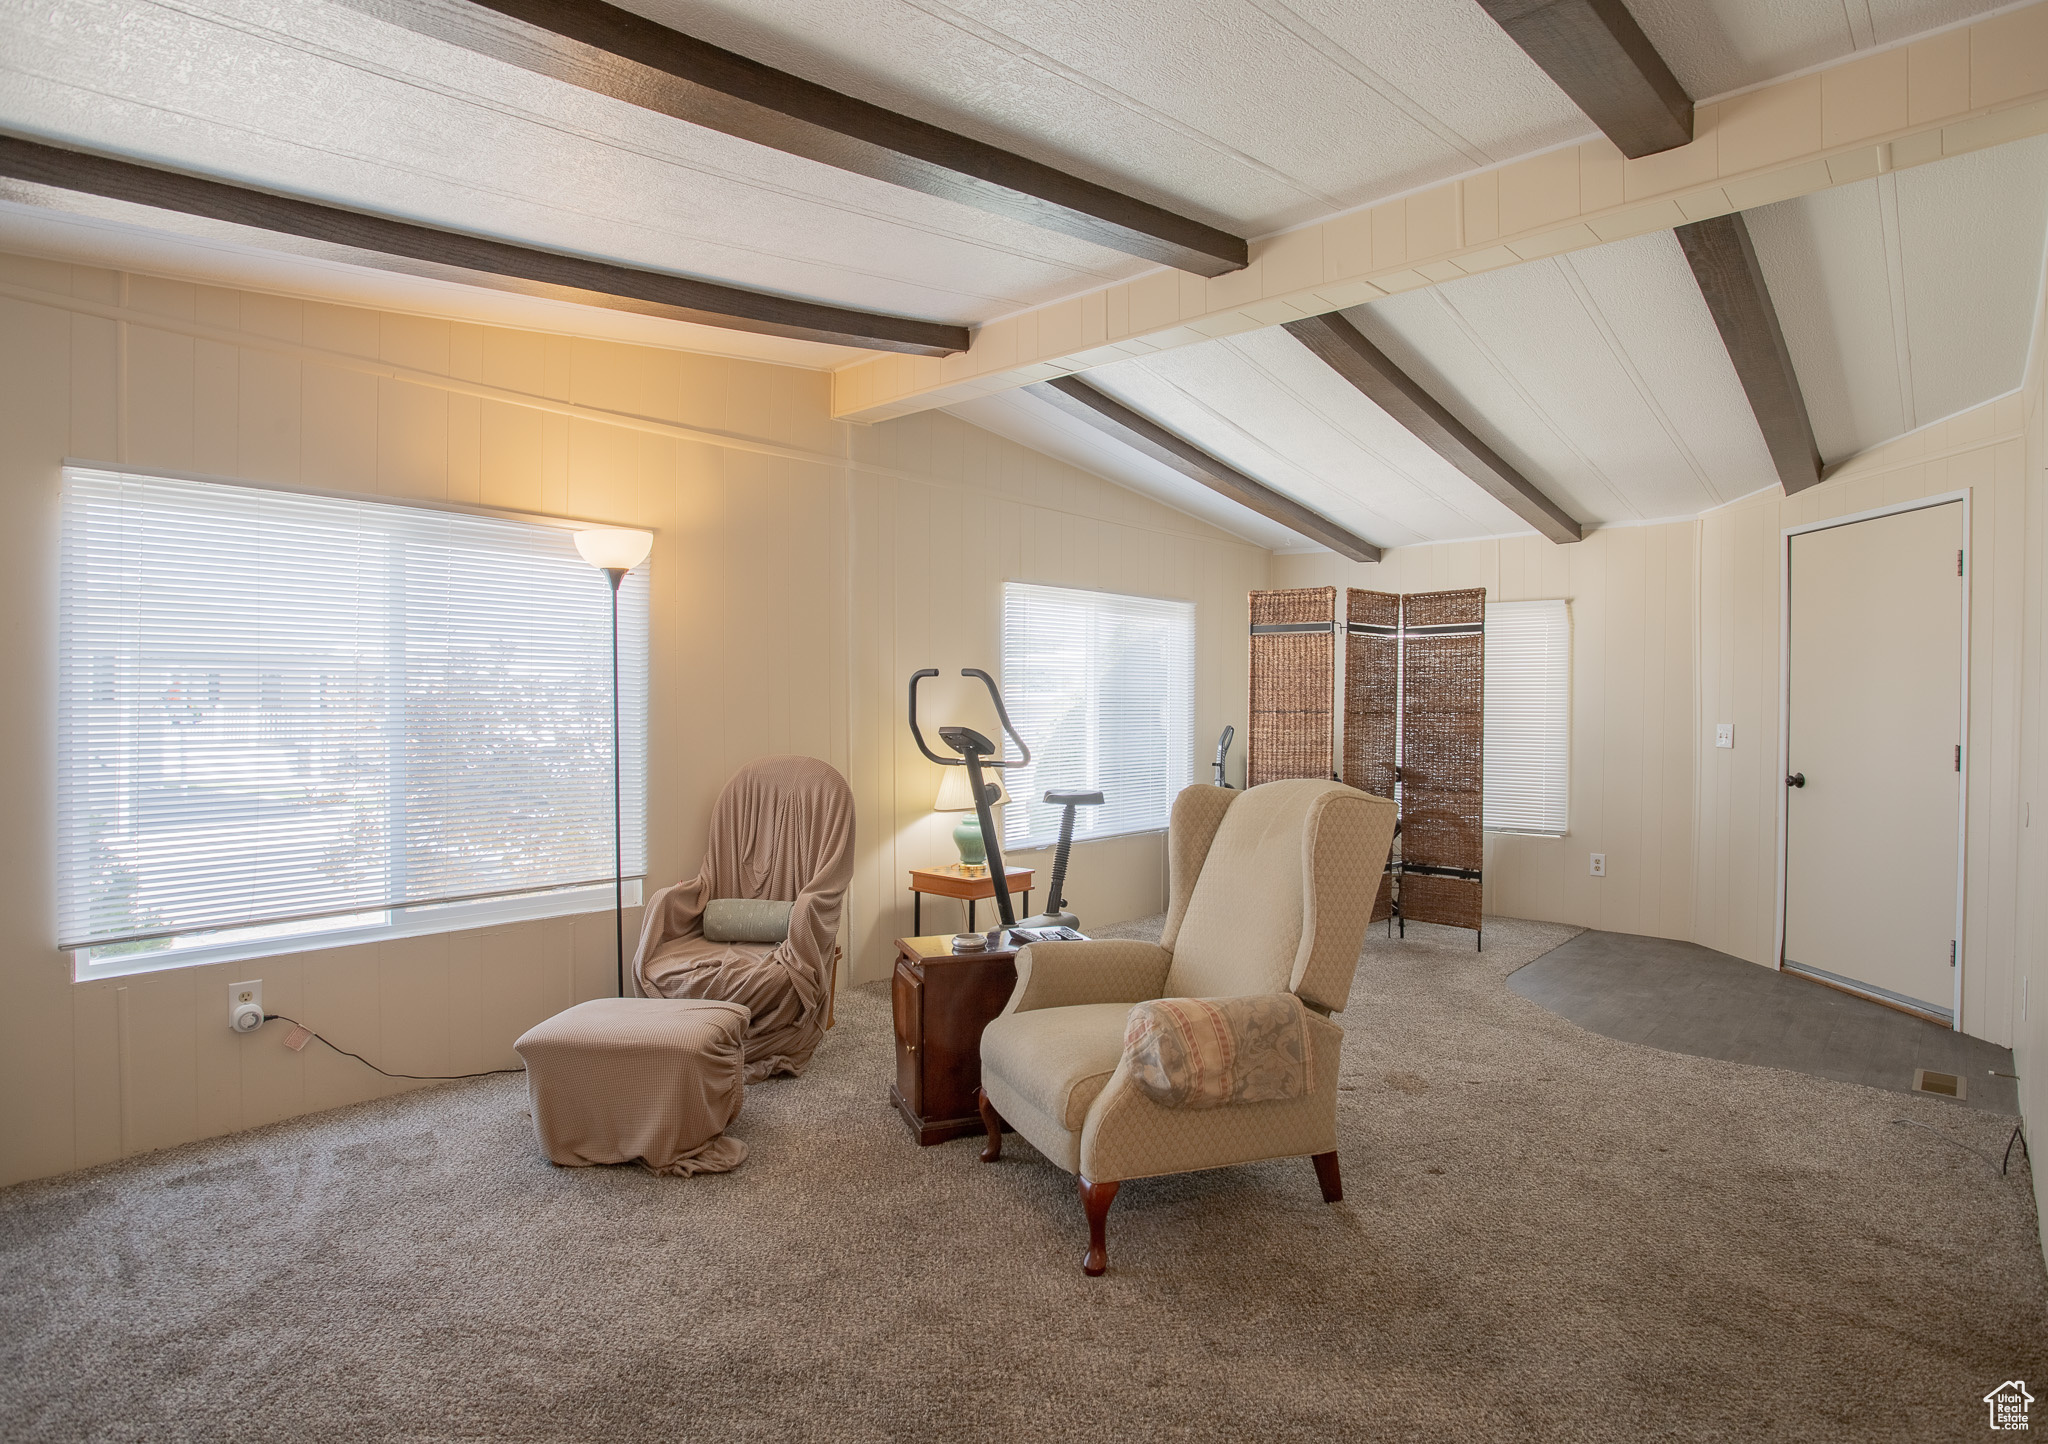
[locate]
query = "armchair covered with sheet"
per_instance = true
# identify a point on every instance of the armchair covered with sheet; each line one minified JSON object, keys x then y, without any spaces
{"x":1213,"y":1046}
{"x":782,"y":831}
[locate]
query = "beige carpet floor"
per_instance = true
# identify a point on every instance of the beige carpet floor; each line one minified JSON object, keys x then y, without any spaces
{"x":1547,"y":1235}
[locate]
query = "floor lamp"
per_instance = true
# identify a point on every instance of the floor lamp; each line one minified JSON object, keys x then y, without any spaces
{"x":616,"y":551}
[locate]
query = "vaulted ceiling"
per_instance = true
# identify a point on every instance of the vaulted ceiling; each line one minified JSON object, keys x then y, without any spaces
{"x":1599,"y":375}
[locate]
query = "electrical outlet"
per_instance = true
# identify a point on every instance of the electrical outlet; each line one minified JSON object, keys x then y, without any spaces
{"x":1724,"y":734}
{"x":245,"y":1006}
{"x":1599,"y":864}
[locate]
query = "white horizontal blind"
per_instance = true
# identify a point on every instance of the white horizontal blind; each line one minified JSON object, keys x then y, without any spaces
{"x":1528,"y":716}
{"x":1102,"y":688}
{"x":277,"y":707}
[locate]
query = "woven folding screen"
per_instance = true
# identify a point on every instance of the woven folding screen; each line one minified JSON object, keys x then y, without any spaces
{"x":1372,"y":692}
{"x":1443,"y":733}
{"x":1294,"y":658}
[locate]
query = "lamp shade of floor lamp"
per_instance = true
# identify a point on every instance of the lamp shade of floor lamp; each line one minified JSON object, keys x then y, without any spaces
{"x":616,"y":551}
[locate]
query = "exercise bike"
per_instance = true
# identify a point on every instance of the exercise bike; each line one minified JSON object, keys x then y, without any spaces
{"x":976,"y":754}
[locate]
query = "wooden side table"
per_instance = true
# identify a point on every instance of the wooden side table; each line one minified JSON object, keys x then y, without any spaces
{"x":953,"y":881}
{"x":942,"y":1000}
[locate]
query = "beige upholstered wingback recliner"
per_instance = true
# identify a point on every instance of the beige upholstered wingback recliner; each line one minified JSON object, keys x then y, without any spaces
{"x":1270,"y":891}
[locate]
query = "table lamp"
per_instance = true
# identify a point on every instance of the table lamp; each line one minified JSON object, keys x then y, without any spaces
{"x":955,"y":797}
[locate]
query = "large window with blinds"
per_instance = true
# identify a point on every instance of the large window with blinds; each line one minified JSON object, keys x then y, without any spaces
{"x":282,"y":714}
{"x":1528,"y":717}
{"x":1102,"y":688}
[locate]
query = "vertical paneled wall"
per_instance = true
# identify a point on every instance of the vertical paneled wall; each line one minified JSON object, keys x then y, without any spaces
{"x":2030,"y":952}
{"x":1632,"y":595}
{"x":1982,"y":451}
{"x":802,"y":569}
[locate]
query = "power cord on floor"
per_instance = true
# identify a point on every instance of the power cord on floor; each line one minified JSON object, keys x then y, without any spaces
{"x":2018,"y":1136}
{"x":414,"y":1077}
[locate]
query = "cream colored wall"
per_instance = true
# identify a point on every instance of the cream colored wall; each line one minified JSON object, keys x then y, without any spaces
{"x":1740,"y":548}
{"x":1631,"y":591}
{"x":803,"y":569}
{"x":2030,"y":951}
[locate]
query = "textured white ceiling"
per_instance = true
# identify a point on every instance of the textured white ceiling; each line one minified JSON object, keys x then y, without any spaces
{"x":1714,"y":46}
{"x":1599,"y":375}
{"x":91,"y":232}
{"x":1264,"y":404}
{"x":1908,"y":297}
{"x":322,"y":101}
{"x":1250,"y":114}
{"x":1030,"y":422}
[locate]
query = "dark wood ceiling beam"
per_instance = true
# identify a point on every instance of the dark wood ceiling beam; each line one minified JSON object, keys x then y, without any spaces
{"x":1108,"y":415}
{"x":1600,"y":57}
{"x":657,"y":293}
{"x":614,"y":52}
{"x":1723,"y":261}
{"x":1342,"y":347}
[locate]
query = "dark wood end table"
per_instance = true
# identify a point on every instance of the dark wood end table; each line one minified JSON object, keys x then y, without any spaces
{"x":942,"y":1000}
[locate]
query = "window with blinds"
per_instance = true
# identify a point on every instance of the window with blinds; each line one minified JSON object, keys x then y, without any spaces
{"x":1528,"y":716}
{"x":281,"y":713}
{"x":1102,"y":688}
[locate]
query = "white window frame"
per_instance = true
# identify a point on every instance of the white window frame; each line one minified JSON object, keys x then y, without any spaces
{"x":200,"y":948}
{"x":1560,"y":612}
{"x":1178,"y":773}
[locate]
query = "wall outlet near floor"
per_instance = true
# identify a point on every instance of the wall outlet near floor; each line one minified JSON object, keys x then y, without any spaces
{"x":1599,"y":864}
{"x":1724,"y":734}
{"x":245,"y":1006}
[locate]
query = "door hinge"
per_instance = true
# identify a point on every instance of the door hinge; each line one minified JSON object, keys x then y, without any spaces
{"x":1959,"y":561}
{"x":1951,"y":952}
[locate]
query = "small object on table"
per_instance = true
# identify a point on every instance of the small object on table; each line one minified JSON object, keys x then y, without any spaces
{"x":966,"y":883}
{"x":1049,"y":935}
{"x":969,"y":942}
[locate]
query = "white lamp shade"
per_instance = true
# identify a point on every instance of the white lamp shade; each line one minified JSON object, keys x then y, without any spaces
{"x":954,"y":795}
{"x":614,"y":548}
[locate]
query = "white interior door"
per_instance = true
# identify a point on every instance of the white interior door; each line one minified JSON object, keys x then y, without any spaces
{"x":1874,"y":727}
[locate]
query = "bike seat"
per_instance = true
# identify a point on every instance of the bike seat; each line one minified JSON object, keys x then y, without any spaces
{"x":1074,"y":799}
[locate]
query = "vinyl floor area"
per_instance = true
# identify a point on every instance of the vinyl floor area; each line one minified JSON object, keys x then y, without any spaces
{"x":1691,"y":999}
{"x":1547,"y":1234}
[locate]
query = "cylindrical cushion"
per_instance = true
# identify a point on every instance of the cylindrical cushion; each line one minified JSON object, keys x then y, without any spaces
{"x":657,"y":1079}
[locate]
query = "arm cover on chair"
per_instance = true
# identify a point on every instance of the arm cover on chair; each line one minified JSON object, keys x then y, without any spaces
{"x":1206,"y":1052}
{"x":782,"y":829}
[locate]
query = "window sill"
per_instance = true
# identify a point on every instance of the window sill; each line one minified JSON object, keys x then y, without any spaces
{"x":1525,"y":832}
{"x":410,"y":923}
{"x":1050,"y":843}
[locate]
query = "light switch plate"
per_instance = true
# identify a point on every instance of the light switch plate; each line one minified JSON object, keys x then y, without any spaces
{"x":1599,"y":864}
{"x":1724,"y":734}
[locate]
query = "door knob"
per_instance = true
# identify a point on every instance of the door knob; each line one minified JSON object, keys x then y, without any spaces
{"x":1796,"y":779}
